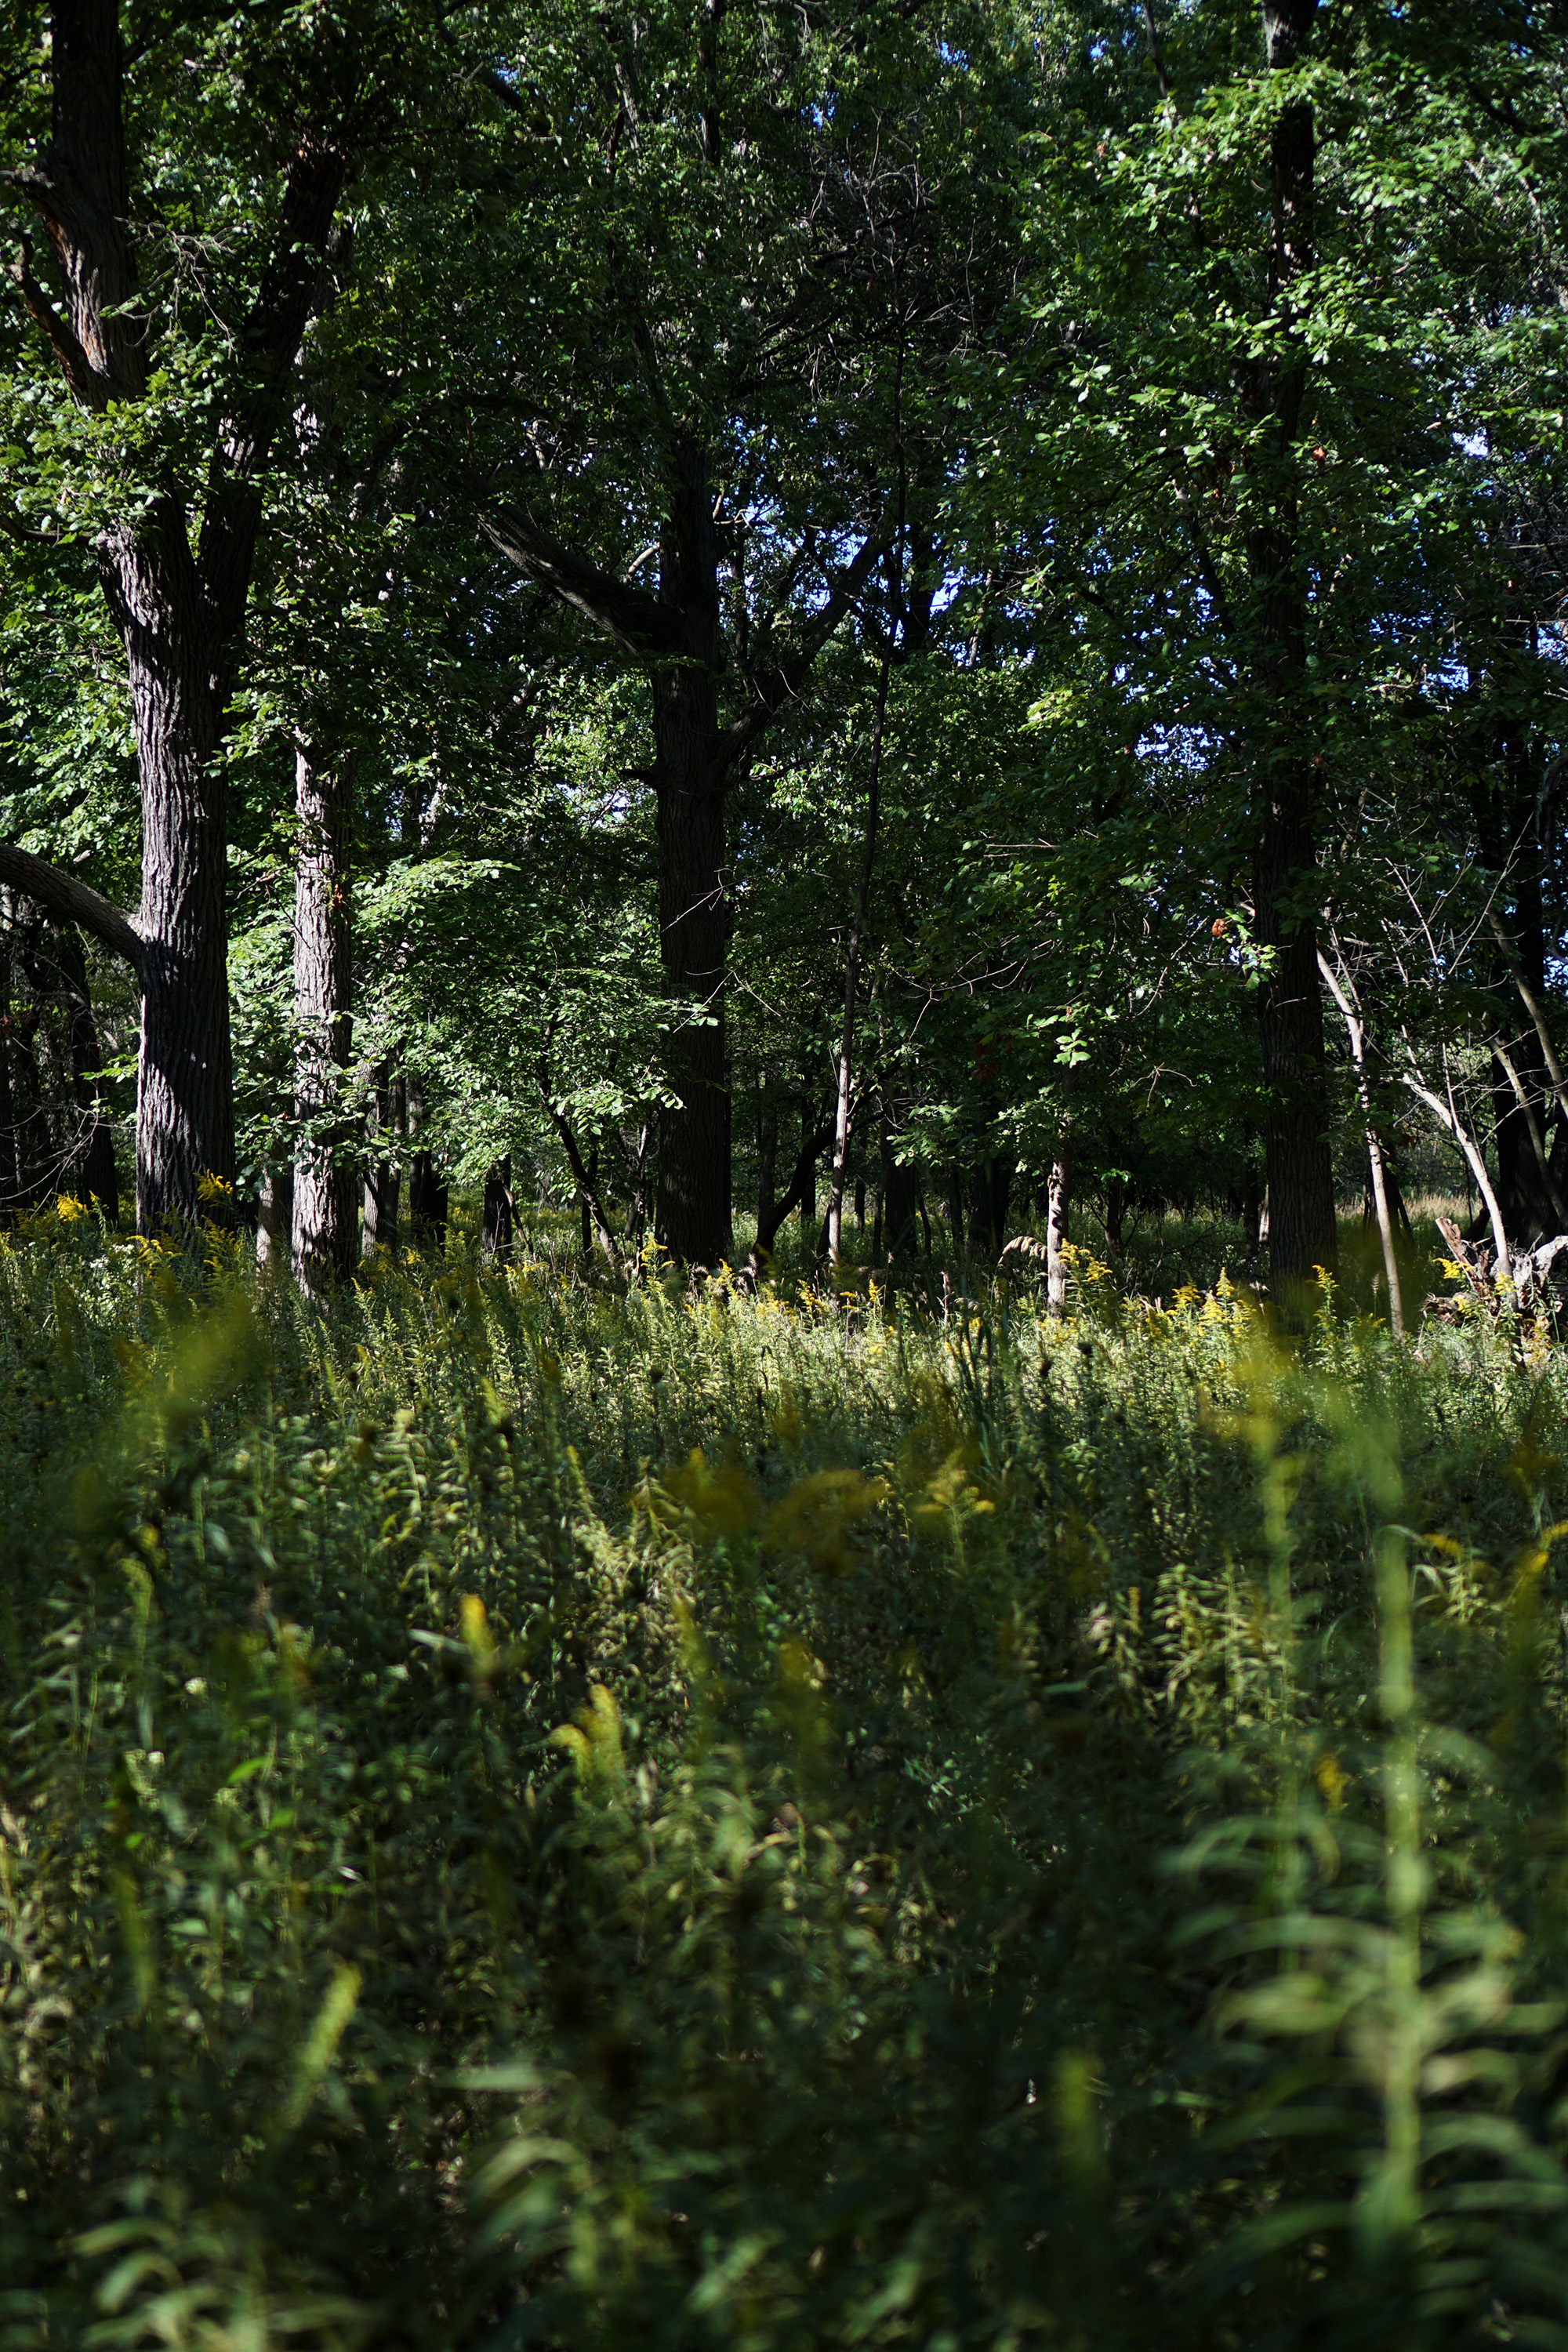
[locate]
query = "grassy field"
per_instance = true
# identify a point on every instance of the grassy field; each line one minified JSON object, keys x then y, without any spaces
{"x":536,"y":1816}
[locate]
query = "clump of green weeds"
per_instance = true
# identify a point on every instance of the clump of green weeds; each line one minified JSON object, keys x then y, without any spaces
{"x":707,"y":1818}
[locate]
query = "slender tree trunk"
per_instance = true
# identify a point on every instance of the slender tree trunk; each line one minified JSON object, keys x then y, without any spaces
{"x":1355,"y":1030}
{"x":800,"y":1190}
{"x":852,"y":964}
{"x":955,"y":1204}
{"x":10,"y":1185}
{"x":1447,"y":1116}
{"x":325,"y":1239}
{"x":383,"y":1177}
{"x":499,"y":1219}
{"x":901,"y":1186}
{"x":584,"y":1208}
{"x":693,"y":1217}
{"x":1302,"y":1232}
{"x":677,"y":636}
{"x":988,"y":1203}
{"x":1058,"y":1211}
{"x":767,"y":1163}
{"x":427,"y":1196}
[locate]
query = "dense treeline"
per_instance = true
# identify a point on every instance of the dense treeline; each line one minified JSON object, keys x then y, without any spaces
{"x":687,"y":606}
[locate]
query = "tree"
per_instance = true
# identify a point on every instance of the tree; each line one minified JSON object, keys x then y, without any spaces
{"x":728,"y":245}
{"x":170,"y":441}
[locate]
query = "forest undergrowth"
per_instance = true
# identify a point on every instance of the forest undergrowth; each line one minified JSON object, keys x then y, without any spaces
{"x":536,"y":1816}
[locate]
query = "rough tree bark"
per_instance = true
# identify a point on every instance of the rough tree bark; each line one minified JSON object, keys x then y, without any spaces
{"x":325,"y":1240}
{"x":178,"y":607}
{"x":1301,"y":1230}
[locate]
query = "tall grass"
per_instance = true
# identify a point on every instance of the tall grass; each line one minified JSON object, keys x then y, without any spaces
{"x":534,"y":1815}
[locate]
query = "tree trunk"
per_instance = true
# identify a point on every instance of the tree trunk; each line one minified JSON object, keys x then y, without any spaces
{"x":1251,"y":1203}
{"x":57,"y":968}
{"x":325,"y":1240}
{"x":179,"y":614}
{"x":900,"y":1187}
{"x":988,"y":1204}
{"x":428,"y":1202}
{"x":863,"y":896}
{"x":767,"y":1163}
{"x":955,"y":1203}
{"x":1302,"y":1233}
{"x":389,"y":1124}
{"x":275,"y":1214}
{"x":693,"y":1216}
{"x":801,"y":1190}
{"x":1355,"y":1030}
{"x":499,"y":1219}
{"x":10,"y":1187}
{"x":1058,"y":1208}
{"x":1115,"y":1213}
{"x":184,"y":1078}
{"x":37,"y":1152}
{"x":584,"y":1205}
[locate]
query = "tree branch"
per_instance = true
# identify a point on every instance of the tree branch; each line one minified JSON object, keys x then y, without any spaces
{"x":73,"y":901}
{"x":1531,"y":1004}
{"x":603,"y":1231}
{"x":630,"y":616}
{"x":290,"y":293}
{"x":90,"y":388}
{"x":781,"y":680}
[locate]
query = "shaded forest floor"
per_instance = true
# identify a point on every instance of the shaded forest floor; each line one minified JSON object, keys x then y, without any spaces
{"x":531,"y":1815}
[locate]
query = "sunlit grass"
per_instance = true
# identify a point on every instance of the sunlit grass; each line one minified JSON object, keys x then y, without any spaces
{"x":699,"y":1817}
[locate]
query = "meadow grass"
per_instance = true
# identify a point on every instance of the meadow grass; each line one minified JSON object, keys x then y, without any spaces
{"x":537,"y":1814}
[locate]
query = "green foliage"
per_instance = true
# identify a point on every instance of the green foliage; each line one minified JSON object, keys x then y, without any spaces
{"x":702,"y":1819}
